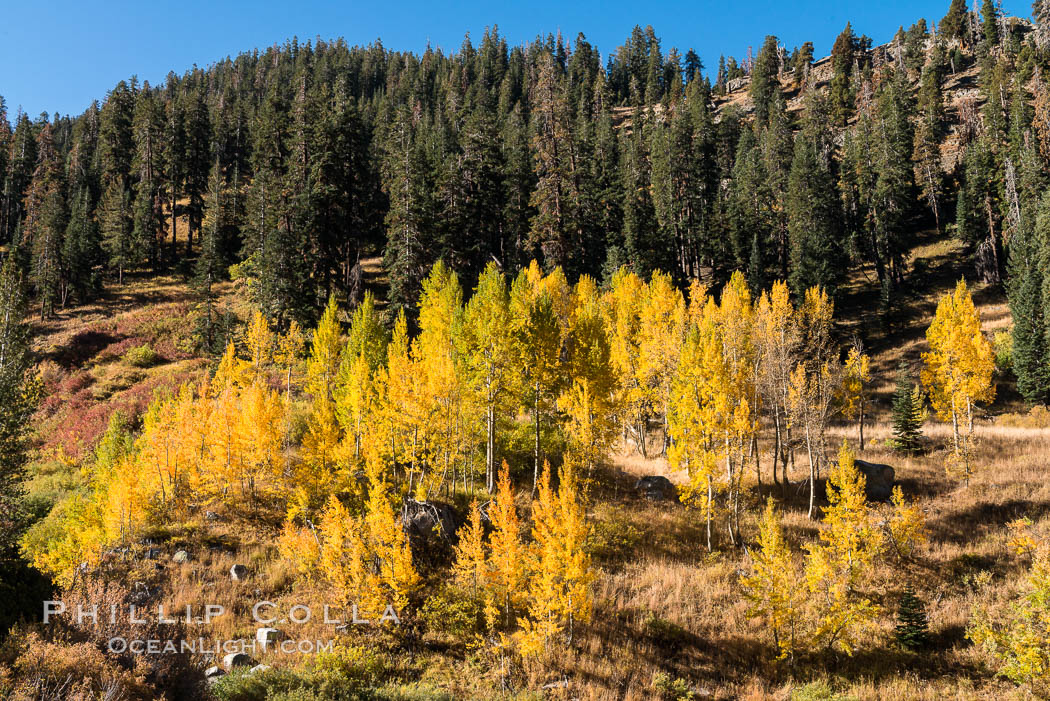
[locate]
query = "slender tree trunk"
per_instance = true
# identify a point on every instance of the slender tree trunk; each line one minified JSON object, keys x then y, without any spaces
{"x":812,"y":473}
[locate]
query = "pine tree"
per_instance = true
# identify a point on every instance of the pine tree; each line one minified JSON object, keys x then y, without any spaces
{"x":814,"y":224}
{"x":908,"y":413}
{"x":1025,"y":291}
{"x":45,"y":225}
{"x":117,"y":148}
{"x":912,"y":631}
{"x":19,"y":390}
{"x":765,"y":78}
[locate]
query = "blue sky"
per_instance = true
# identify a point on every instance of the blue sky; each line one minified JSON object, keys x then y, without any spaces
{"x":57,"y":56}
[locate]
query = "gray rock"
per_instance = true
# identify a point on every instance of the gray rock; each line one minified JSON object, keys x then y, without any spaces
{"x":213,"y":671}
{"x":180,"y":557}
{"x":237,"y":659}
{"x":211,"y":516}
{"x":431,"y":529}
{"x":562,"y":684}
{"x":238,"y":572}
{"x":879,"y":479}
{"x":656,"y":488}
{"x":258,"y":668}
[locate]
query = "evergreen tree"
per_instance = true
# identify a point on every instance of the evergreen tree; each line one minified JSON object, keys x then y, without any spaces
{"x":765,"y":78}
{"x":842,"y":58}
{"x":954,"y":26}
{"x":912,"y":631}
{"x":117,"y":149}
{"x":908,"y":413}
{"x":814,"y":223}
{"x":45,"y":225}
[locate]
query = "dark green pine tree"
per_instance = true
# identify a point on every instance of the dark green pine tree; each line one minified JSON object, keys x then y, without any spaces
{"x":517,"y":183}
{"x":147,"y":165}
{"x":978,"y":210}
{"x":908,"y":414}
{"x":175,"y":155}
{"x":912,"y":630}
{"x":893,"y":196}
{"x":750,"y":211}
{"x":19,"y":390}
{"x":814,"y":223}
{"x":954,"y":25}
{"x":5,"y":147}
{"x":117,"y":146}
{"x":197,"y":161}
{"x":45,"y":225}
{"x":645,"y":248}
{"x":19,"y":173}
{"x":82,"y":254}
{"x":1031,"y":361}
{"x":410,"y":221}
{"x":989,"y":24}
{"x":210,"y":268}
{"x":776,"y":143}
{"x":765,"y":78}
{"x":842,"y":57}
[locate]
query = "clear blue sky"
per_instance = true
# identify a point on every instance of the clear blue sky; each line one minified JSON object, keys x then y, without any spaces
{"x":58,"y":55}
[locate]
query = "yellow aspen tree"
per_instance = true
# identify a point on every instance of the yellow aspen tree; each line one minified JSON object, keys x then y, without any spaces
{"x":959,"y":367}
{"x":694,"y":421}
{"x":776,"y":342}
{"x":387,"y":548}
{"x":435,"y":354}
{"x":357,"y":389}
{"x":661,"y":335}
{"x":774,"y":586}
{"x":906,"y":526}
{"x":856,"y":373}
{"x":259,"y":339}
{"x":260,"y":431}
{"x":538,"y":343}
{"x":320,"y":448}
{"x":489,"y":355}
{"x":589,"y":400}
{"x":401,"y":410}
{"x":326,"y":349}
{"x":842,"y":559}
{"x":737,"y":398}
{"x":470,"y":569}
{"x":507,"y":555}
{"x":623,"y":306}
{"x":288,"y":354}
{"x":545,"y":604}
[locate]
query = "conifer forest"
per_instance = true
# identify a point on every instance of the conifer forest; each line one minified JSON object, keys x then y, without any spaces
{"x":529,"y":371}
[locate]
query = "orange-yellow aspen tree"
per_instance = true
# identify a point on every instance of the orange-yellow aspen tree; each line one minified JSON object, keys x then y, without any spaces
{"x":774,"y":586}
{"x":843,"y":559}
{"x":489,"y":354}
{"x":776,"y":342}
{"x":470,"y":569}
{"x":320,"y":444}
{"x":960,"y":364}
{"x":623,"y":306}
{"x":559,"y":588}
{"x":260,"y":341}
{"x":662,"y":332}
{"x":357,"y":390}
{"x":402,"y":414}
{"x":694,"y":419}
{"x":737,"y":396}
{"x":538,"y":342}
{"x":589,"y":401}
{"x":435,"y":354}
{"x":507,"y":556}
{"x":815,"y":381}
{"x":288,"y":352}
{"x":856,"y":373}
{"x":260,"y":430}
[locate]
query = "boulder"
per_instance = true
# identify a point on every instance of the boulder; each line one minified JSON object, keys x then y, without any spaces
{"x":238,"y":572}
{"x":237,"y":659}
{"x":431,"y":528}
{"x":879,"y":479}
{"x":656,"y":488}
{"x":211,"y":516}
{"x":258,"y":668}
{"x":180,"y":557}
{"x":267,"y":635}
{"x":213,"y":672}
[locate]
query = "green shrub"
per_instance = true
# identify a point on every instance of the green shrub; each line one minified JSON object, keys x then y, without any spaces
{"x":141,"y":356}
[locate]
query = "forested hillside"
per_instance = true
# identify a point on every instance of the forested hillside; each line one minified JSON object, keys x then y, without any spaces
{"x":576,"y":374}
